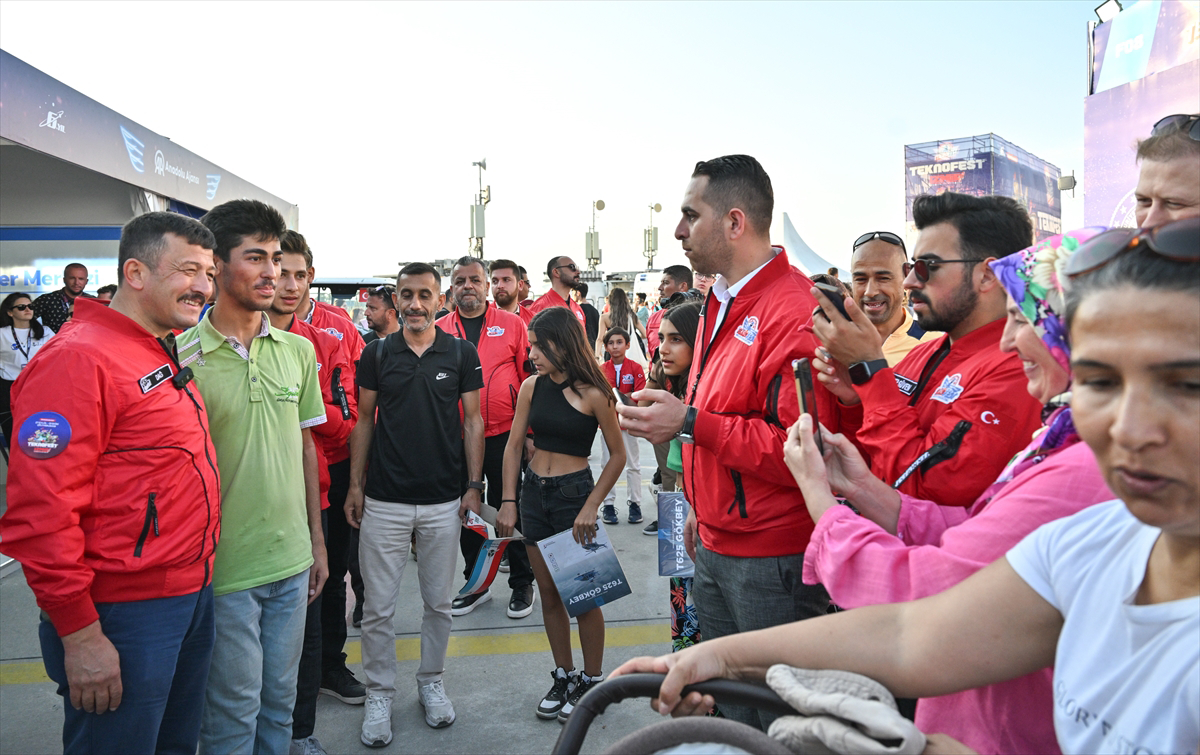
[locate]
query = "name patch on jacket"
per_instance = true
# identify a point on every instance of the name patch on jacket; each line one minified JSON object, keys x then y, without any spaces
{"x":949,"y":390}
{"x":747,"y":331}
{"x":44,"y":435}
{"x":155,"y":379}
{"x":495,"y":330}
{"x":906,"y":385}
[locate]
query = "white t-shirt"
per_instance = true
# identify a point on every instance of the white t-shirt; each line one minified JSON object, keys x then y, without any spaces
{"x":1126,"y":677}
{"x":17,"y":347}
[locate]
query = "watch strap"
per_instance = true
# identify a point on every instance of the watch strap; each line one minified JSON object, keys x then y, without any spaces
{"x":862,"y":372}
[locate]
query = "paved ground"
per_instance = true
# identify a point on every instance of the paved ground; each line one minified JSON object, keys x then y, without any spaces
{"x":497,"y":670}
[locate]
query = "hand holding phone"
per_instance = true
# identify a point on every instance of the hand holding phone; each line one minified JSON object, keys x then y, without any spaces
{"x":835,"y":295}
{"x":623,"y":398}
{"x":808,"y":400}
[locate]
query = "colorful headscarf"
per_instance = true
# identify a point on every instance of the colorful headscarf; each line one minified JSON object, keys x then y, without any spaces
{"x":1034,"y":278}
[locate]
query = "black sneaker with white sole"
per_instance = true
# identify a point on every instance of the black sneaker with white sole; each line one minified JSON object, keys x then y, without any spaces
{"x":651,"y":529}
{"x":582,"y":685}
{"x":552,"y":704}
{"x":464,"y":604}
{"x":522,"y":602}
{"x":342,"y":685}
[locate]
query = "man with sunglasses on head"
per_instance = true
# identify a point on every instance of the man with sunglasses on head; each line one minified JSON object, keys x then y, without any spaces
{"x":380,"y":313}
{"x":1168,"y":185}
{"x":945,"y":420}
{"x":878,"y":264}
{"x":563,"y":275}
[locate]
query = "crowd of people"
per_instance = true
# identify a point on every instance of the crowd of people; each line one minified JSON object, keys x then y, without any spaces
{"x":988,"y":502}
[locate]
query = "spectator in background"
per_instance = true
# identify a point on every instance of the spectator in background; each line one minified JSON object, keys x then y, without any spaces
{"x":643,"y":312}
{"x":127,"y":606}
{"x":327,"y":317}
{"x":878,"y":265}
{"x":563,"y":275}
{"x":105,"y":293}
{"x":381,"y":315}
{"x":676,"y":278}
{"x":523,"y":289}
{"x":54,"y":308}
{"x":620,"y":314}
{"x":507,"y":280}
{"x":260,"y":386}
{"x":591,"y":315}
{"x":1169,"y":177}
{"x":704,"y":282}
{"x":21,"y":336}
{"x":626,"y":376}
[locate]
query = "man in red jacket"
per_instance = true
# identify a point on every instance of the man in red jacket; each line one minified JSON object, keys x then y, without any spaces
{"x":752,"y":523}
{"x":113,"y":501}
{"x":563,"y":273}
{"x":942,"y":424}
{"x":502,"y":341}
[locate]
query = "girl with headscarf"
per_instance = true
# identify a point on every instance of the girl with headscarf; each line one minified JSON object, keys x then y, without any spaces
{"x":901,"y":548}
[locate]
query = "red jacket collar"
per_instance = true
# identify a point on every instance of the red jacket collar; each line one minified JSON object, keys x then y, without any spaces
{"x":92,"y":311}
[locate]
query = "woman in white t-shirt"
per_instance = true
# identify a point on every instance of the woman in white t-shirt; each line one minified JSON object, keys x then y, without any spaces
{"x":21,"y":335}
{"x":1109,"y":597}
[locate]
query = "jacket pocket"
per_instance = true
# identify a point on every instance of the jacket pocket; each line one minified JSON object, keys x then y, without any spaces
{"x":151,"y":521}
{"x":739,"y":495}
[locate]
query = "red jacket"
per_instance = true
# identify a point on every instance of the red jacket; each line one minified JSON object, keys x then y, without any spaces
{"x":125,"y":505}
{"x":336,"y":322}
{"x":652,"y":327}
{"x":552,"y":299}
{"x":745,"y":499}
{"x":633,"y":377}
{"x":504,"y":354}
{"x":333,"y":435}
{"x":973,"y":412}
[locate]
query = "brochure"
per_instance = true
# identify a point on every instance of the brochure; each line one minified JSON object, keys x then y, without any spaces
{"x":487,"y":563}
{"x":587,"y":576}
{"x":673,"y":560}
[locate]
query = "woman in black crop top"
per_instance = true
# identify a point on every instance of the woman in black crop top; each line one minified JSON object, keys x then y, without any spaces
{"x":564,"y":403}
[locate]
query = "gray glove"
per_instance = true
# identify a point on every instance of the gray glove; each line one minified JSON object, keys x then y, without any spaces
{"x":842,"y":713}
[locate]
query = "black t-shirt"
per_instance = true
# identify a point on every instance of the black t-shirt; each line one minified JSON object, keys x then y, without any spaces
{"x":591,"y":317}
{"x":472,"y":327}
{"x":417,"y":453}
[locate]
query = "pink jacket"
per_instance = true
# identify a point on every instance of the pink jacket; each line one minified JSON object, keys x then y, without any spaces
{"x":939,"y":546}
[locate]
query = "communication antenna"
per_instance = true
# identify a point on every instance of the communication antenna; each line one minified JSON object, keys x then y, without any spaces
{"x":477,"y":211}
{"x":650,"y":237}
{"x":591,"y":243}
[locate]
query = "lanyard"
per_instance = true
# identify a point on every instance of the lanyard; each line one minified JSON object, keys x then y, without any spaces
{"x":17,"y":342}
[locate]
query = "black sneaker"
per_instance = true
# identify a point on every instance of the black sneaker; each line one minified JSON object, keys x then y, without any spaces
{"x":464,"y":604}
{"x":657,"y":478}
{"x":522,"y":602}
{"x":610,"y":514}
{"x":580,"y":689}
{"x":651,"y":529}
{"x":635,"y":513}
{"x":342,"y":685}
{"x":556,"y":698}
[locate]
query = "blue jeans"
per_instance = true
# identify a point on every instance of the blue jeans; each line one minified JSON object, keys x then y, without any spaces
{"x":252,"y":681}
{"x":164,"y":645}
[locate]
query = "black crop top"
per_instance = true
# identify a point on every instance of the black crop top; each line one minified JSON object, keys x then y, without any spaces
{"x":557,"y":426}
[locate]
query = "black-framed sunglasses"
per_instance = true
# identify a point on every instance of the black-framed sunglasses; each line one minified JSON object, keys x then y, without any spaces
{"x":1178,"y":122}
{"x":923,"y":268}
{"x":21,"y":307}
{"x":1179,"y":241}
{"x":388,"y":290}
{"x":886,"y":236}
{"x":572,"y":267}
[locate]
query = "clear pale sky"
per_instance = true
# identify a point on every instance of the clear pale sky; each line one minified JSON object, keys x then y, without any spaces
{"x":369,"y":115}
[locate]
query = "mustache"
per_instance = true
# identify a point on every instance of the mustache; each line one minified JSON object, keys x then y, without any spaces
{"x":918,"y":296}
{"x":193,"y":299}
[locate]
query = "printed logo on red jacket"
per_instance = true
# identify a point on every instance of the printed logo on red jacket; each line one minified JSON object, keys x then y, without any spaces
{"x":748,"y":330}
{"x":949,"y":390}
{"x":44,"y":435}
{"x":495,"y":330}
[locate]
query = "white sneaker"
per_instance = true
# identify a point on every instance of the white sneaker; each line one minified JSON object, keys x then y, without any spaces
{"x":306,"y":746}
{"x":377,"y":722}
{"x":439,"y":713}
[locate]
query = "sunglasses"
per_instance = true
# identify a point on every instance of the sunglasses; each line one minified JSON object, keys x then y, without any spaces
{"x":22,"y":307}
{"x":390,"y":292}
{"x":570,"y":267}
{"x":923,"y":268}
{"x":1178,"y":123}
{"x":1179,"y":241}
{"x":887,"y":236}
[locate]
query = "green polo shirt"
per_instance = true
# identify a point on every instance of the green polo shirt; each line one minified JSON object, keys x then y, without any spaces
{"x":258,"y":401}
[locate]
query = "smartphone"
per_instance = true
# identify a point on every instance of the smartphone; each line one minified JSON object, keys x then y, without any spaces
{"x":623,"y":398}
{"x":808,"y":401}
{"x":835,"y":295}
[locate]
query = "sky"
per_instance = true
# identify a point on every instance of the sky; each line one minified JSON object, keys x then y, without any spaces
{"x":369,"y":115}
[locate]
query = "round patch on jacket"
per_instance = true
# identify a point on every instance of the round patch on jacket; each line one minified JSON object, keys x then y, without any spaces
{"x":44,"y":435}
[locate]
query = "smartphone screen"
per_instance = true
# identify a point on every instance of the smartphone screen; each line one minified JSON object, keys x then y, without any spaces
{"x":808,"y":401}
{"x":834,"y":295}
{"x":623,"y":398}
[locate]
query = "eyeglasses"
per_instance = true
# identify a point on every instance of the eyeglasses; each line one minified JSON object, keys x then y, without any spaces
{"x":389,"y":291}
{"x":887,"y":236}
{"x":1179,"y":241}
{"x":22,"y":307}
{"x":1178,"y":123}
{"x":570,"y":267}
{"x":705,"y":277}
{"x":923,"y":268}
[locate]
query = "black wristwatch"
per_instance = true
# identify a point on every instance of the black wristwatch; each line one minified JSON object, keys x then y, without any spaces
{"x":861,"y":372}
{"x":685,"y":433}
{"x":476,"y":485}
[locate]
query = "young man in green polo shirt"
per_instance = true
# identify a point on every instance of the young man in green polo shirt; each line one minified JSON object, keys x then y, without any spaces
{"x":260,"y":386}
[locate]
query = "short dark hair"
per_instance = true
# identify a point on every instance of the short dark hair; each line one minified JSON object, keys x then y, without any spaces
{"x":1170,"y":145}
{"x":70,"y":265}
{"x":111,"y":288}
{"x":240,"y":218}
{"x":553,"y":263}
{"x":582,"y":288}
{"x":294,"y":243}
{"x":739,"y":181}
{"x":988,"y":226}
{"x":524,"y":274}
{"x":505,"y":265}
{"x":679,"y":274}
{"x":420,"y":268}
{"x":641,"y":295}
{"x":617,"y":331}
{"x":467,"y":260}
{"x":144,"y":238}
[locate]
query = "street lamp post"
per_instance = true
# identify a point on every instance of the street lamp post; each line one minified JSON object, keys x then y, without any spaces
{"x":650,"y":236}
{"x":481,"y":201}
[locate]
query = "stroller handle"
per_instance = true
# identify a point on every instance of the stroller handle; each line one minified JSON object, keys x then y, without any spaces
{"x":647,"y":685}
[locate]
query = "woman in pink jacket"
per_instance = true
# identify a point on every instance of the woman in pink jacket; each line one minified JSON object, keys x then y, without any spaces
{"x":902,"y":548}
